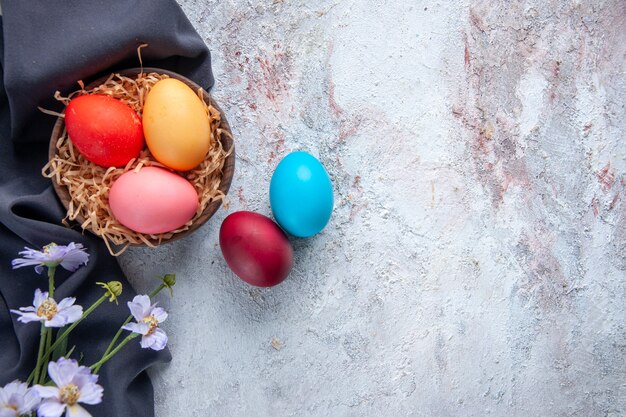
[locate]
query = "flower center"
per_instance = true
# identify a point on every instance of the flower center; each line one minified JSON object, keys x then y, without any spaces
{"x":10,"y":407}
{"x":46,"y":249}
{"x":152,"y":322}
{"x":47,"y":309}
{"x":69,"y":394}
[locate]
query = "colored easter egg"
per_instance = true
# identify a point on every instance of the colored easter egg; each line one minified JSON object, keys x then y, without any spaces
{"x":153,"y":200}
{"x":105,"y":131}
{"x":176,"y":125}
{"x":301,"y":195}
{"x":255,"y":248}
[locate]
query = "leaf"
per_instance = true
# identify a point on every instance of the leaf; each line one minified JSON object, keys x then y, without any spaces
{"x":61,"y":349}
{"x":69,"y":353}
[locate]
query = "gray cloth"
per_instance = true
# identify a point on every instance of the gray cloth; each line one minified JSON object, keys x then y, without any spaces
{"x":48,"y":46}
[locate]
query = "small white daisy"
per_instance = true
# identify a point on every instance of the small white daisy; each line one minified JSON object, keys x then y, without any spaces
{"x":70,"y":257}
{"x":47,"y":310}
{"x":148,"y":317}
{"x":74,"y":384}
{"x":17,"y":399}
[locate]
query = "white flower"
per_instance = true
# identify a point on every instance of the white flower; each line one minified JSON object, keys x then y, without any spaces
{"x":47,"y":310}
{"x":148,"y":318}
{"x":74,"y":384}
{"x":70,"y":257}
{"x":17,"y":399}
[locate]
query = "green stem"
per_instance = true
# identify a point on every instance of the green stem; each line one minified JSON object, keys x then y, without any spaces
{"x":69,"y":329}
{"x":105,"y":358}
{"x":44,"y":366}
{"x":51,"y":270}
{"x":128,"y":319}
{"x":156,"y":291}
{"x":42,"y":341}
{"x":117,"y":336}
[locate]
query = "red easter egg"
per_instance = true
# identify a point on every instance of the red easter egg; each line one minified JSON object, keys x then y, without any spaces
{"x":104,"y":130}
{"x":256,"y":249}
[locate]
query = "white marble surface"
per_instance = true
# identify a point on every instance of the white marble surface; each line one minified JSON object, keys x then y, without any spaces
{"x":475,"y":261}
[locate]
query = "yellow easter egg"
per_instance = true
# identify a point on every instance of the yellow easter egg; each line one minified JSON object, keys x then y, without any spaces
{"x":176,"y":125}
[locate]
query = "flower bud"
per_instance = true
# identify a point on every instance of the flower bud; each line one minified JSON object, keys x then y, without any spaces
{"x":169,"y":280}
{"x":114,"y":289}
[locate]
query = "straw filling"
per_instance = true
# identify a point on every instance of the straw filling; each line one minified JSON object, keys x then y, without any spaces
{"x":88,"y":184}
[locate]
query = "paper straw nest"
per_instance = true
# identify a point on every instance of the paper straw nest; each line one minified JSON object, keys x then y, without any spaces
{"x":88,"y":184}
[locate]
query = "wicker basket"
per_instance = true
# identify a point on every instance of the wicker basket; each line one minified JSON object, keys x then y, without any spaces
{"x":227,"y":170}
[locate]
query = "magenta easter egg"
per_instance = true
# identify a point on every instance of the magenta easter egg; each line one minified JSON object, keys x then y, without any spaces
{"x":255,"y":248}
{"x":153,"y":200}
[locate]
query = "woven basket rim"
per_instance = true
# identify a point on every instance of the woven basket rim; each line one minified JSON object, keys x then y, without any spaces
{"x":226,"y":140}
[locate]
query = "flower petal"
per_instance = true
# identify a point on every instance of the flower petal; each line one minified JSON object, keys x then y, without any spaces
{"x":9,"y":390}
{"x":20,"y":263}
{"x":136,"y":310}
{"x":131,"y":327}
{"x":16,"y":400}
{"x":29,"y":253}
{"x":27,"y":317}
{"x":73,"y":245}
{"x":54,"y":253}
{"x":84,"y":376}
{"x":77,"y":411}
{"x":31,"y":400}
{"x":66,"y":302}
{"x":74,"y":259}
{"x":71,"y":314}
{"x":51,"y":408}
{"x":146,"y":341}
{"x":159,"y":314}
{"x":46,"y":392}
{"x":91,"y":394}
{"x":62,"y":371}
{"x":141,"y":328}
{"x":57,"y":321}
{"x":7,"y":412}
{"x":40,"y":297}
{"x":139,"y":307}
{"x":4,"y":395}
{"x":158,"y":340}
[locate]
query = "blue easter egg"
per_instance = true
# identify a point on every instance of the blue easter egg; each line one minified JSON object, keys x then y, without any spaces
{"x":301,"y":194}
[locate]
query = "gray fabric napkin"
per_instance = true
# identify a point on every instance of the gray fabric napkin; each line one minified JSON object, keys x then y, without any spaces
{"x":48,"y":46}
